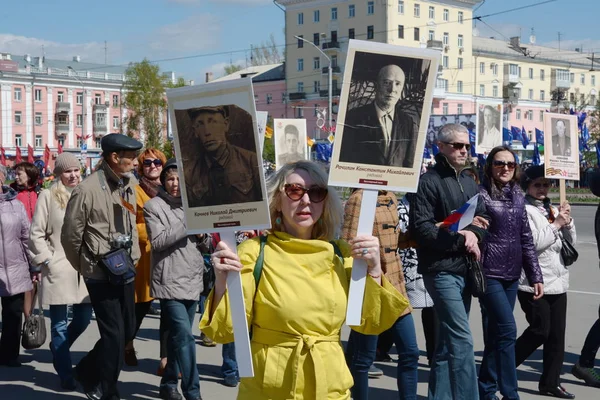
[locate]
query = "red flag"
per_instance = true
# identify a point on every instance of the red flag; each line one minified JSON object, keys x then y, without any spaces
{"x":46,"y":155}
{"x":18,"y":158}
{"x":2,"y":156}
{"x":59,"y":148}
{"x":30,"y":154}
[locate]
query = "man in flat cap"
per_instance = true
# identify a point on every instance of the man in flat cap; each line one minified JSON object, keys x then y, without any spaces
{"x":222,"y":173}
{"x":291,"y":141}
{"x":101,"y":218}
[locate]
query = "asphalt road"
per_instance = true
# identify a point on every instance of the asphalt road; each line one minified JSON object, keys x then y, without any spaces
{"x":37,"y":380}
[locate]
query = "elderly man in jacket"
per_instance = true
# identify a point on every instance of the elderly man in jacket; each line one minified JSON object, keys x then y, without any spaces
{"x":442,"y":258}
{"x":101,"y":218}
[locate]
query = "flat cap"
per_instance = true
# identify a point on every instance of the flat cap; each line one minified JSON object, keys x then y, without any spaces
{"x":116,"y":142}
{"x":194,"y":112}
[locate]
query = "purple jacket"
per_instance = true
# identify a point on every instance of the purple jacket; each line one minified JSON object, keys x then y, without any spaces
{"x":14,"y":236}
{"x":509,"y":246}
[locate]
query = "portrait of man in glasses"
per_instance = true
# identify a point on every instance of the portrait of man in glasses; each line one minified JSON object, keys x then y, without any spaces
{"x":216,"y":171}
{"x":561,"y":138}
{"x":489,"y":134}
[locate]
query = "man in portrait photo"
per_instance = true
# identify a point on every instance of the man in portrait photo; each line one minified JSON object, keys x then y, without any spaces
{"x":380,"y":133}
{"x":290,"y":146}
{"x":561,"y":142}
{"x":489,"y":135}
{"x":222,"y":173}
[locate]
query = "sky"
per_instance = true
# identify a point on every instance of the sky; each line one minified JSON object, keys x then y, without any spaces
{"x":191,"y":37}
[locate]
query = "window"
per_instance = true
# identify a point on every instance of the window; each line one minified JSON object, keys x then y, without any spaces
{"x":460,"y":63}
{"x":446,"y":38}
{"x":38,"y":95}
{"x":530,"y":115}
{"x":316,"y":63}
{"x":542,"y":95}
{"x":334,"y":61}
{"x":445,"y":61}
{"x":593,"y":100}
{"x":417,"y":34}
{"x":316,"y":110}
{"x":445,"y":108}
{"x":269,"y":98}
{"x":79,"y":98}
{"x":400,"y":31}
{"x":530,"y":97}
{"x":370,"y":32}
{"x":283,"y":97}
{"x":334,"y":13}
{"x":61,"y":141}
{"x":482,"y":68}
{"x":400,"y":6}
{"x":115,"y":100}
{"x":301,"y":64}
{"x":417,"y":10}
{"x":431,"y":12}
{"x":572,"y":78}
{"x":300,"y":18}
{"x":97,"y":98}
{"x":299,"y":112}
{"x":446,"y":15}
{"x":370,"y":8}
{"x":79,"y":142}
{"x":541,"y":115}
{"x":513,"y":69}
{"x":38,"y":141}
{"x":593,"y":80}
{"x":482,"y":90}
{"x":115,"y":124}
{"x":19,"y":140}
{"x":62,"y":119}
{"x":572,"y":97}
{"x":495,"y":69}
{"x":61,"y":97}
{"x":518,"y":93}
{"x":38,"y":118}
{"x":431,"y":35}
{"x":18,"y":117}
{"x":316,"y":86}
{"x":17,"y":95}
{"x":351,"y":11}
{"x":316,"y":39}
{"x":351,"y":33}
{"x":530,"y":73}
{"x":300,"y":41}
{"x":459,"y":108}
{"x":518,"y":113}
{"x":460,"y":17}
{"x":98,"y":142}
{"x":316,"y":16}
{"x":301,"y":87}
{"x":79,"y":120}
{"x":495,"y":91}
{"x":582,"y":79}
{"x":459,"y":86}
{"x":460,"y":40}
{"x":542,"y":75}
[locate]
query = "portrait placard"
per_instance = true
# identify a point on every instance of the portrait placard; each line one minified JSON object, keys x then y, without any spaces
{"x":261,"y":122}
{"x":384,"y":113}
{"x":216,"y":136}
{"x":561,"y":150}
{"x":290,"y":140}
{"x":489,"y":126}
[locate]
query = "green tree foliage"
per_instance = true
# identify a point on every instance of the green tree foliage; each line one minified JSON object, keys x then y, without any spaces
{"x":267,"y":53}
{"x":232,"y":68}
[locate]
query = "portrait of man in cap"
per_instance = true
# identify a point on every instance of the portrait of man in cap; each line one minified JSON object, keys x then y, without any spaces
{"x":220,"y":172}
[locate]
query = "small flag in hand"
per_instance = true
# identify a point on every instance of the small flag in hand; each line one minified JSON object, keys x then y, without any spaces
{"x":462,"y":217}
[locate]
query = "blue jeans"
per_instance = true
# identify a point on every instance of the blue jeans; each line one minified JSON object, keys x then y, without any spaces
{"x":181,"y":347}
{"x":453,"y":374}
{"x":65,"y":334}
{"x":498,"y":369}
{"x":360,"y":354}
{"x":591,"y":345}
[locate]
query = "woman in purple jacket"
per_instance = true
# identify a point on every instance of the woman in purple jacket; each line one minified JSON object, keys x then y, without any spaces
{"x":506,"y":250}
{"x":15,"y":279}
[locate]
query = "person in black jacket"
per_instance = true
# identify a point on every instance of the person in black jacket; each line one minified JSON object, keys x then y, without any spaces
{"x":442,"y":258}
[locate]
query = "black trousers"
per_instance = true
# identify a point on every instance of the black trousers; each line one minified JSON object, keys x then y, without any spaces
{"x":547,"y":319}
{"x":115,"y":314}
{"x":12,"y":319}
{"x":141,"y":310}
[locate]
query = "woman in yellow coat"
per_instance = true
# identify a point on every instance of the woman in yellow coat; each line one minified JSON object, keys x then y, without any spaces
{"x":299,"y":307}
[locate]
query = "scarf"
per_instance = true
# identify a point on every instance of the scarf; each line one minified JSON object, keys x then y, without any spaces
{"x":543,"y":206}
{"x":149,"y":187}
{"x":174,"y":202}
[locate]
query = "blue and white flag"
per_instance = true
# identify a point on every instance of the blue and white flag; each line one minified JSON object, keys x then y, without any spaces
{"x":536,"y":155}
{"x":507,"y":136}
{"x":524,"y":137}
{"x":539,"y":136}
{"x":472,"y":140}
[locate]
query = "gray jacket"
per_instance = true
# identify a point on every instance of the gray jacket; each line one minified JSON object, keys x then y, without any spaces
{"x":177,"y":263}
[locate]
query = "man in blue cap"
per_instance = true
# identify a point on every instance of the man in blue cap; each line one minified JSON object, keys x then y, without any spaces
{"x":101,"y":218}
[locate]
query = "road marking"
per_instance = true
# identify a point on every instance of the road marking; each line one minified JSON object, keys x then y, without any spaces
{"x":581,"y":292}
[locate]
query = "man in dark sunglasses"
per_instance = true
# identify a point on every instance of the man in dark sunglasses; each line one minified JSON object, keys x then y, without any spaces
{"x":442,"y":256}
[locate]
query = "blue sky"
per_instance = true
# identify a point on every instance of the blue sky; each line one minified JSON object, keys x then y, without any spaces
{"x":165,"y":29}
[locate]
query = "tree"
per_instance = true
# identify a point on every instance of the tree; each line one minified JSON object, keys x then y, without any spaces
{"x":232,"y":68}
{"x":266,"y":53}
{"x":179,"y":83}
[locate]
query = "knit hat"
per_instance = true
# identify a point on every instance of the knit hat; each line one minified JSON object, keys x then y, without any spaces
{"x":531,"y":174}
{"x":65,"y":161}
{"x":171,"y":164}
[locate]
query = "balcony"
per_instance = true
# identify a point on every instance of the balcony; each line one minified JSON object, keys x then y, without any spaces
{"x":297,"y":96}
{"x":99,"y":112}
{"x":439,"y":91}
{"x":335,"y":70}
{"x":561,"y":79}
{"x":333,"y":45}
{"x":334,"y":92}
{"x":62,"y":106}
{"x":435,"y":44}
{"x":61,"y":128}
{"x":511,"y":74}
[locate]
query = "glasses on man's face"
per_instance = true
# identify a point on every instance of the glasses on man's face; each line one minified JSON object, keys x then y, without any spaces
{"x":459,"y":146}
{"x":295,"y":192}
{"x":502,"y":164}
{"x":157,"y":163}
{"x":539,"y":185}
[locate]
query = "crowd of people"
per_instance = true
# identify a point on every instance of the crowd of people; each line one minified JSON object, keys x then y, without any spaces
{"x":111,"y":244}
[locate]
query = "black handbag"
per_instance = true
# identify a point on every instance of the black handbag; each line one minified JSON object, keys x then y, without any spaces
{"x":33,"y":335}
{"x":119,"y":267}
{"x":208,"y":277}
{"x":475,"y":278}
{"x":568,"y":252}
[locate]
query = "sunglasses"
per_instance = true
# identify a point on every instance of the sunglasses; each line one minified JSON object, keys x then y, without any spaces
{"x":459,"y":146}
{"x":295,"y":192}
{"x":156,"y":162}
{"x":502,"y":164}
{"x":541,"y":185}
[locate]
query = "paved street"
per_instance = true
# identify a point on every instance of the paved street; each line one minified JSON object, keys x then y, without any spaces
{"x":37,"y":379}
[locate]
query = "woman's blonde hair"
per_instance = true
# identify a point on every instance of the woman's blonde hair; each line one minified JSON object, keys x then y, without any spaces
{"x":329,"y":225}
{"x":60,"y":192}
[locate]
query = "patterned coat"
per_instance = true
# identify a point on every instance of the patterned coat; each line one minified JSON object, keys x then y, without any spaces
{"x":384,"y":228}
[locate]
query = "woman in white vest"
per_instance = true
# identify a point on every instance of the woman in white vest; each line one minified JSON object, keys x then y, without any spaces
{"x":61,"y":283}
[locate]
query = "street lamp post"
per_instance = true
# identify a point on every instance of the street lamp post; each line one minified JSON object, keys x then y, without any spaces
{"x":329,"y":70}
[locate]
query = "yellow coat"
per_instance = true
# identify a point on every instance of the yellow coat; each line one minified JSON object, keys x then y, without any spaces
{"x":142,"y":279}
{"x":297,"y":316}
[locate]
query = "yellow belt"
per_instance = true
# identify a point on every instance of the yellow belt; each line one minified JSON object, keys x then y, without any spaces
{"x":276,"y":338}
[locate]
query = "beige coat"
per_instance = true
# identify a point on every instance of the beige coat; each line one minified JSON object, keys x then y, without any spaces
{"x":61,"y":284}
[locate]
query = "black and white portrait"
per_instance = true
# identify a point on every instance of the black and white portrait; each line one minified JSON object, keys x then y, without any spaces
{"x":437,"y":121}
{"x":489,"y":127}
{"x":561,"y":137}
{"x":290,"y":141}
